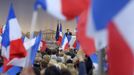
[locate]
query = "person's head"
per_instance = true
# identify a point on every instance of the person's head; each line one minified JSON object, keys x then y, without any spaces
{"x":67,"y":30}
{"x":72,"y":69}
{"x":54,"y":51}
{"x":36,"y":71}
{"x":48,"y":51}
{"x":44,"y":64}
{"x":52,"y":70}
{"x":46,"y":58}
{"x":65,"y":72}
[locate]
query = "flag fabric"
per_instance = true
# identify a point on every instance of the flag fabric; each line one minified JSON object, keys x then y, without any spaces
{"x":42,"y":46}
{"x":76,"y":45}
{"x":15,"y":69}
{"x":1,"y":30}
{"x":94,"y":59}
{"x":65,"y":43}
{"x":87,"y":43}
{"x":72,"y":41}
{"x":12,"y":71}
{"x":25,"y":38}
{"x":34,"y":48}
{"x":61,"y":8}
{"x":118,"y":23}
{"x":12,"y":45}
{"x":59,"y":34}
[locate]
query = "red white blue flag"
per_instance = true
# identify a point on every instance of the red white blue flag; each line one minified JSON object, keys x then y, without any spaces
{"x":12,"y":44}
{"x":59,"y":35}
{"x":63,"y":9}
{"x":115,"y":17}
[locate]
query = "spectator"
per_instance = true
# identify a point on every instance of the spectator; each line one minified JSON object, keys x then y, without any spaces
{"x":65,"y":72}
{"x":52,"y":70}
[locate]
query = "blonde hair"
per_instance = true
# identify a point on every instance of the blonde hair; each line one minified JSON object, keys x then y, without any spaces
{"x":71,"y":68}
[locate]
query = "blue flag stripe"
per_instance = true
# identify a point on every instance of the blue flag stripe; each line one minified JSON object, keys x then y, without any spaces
{"x":104,"y":10}
{"x":42,"y":3}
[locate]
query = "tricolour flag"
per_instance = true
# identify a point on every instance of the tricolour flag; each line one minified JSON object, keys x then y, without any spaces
{"x":16,"y":69}
{"x":118,"y":17}
{"x":12,"y":44}
{"x":34,"y":48}
{"x":59,"y":34}
{"x":63,"y":9}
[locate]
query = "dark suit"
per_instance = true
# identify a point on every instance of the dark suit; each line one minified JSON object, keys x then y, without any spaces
{"x":68,"y":33}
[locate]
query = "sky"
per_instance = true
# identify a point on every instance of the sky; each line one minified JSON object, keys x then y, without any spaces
{"x":24,"y":10}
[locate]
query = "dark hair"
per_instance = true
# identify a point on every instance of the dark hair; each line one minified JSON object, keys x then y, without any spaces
{"x":69,"y":61}
{"x":89,"y":65}
{"x":36,"y":71}
{"x":48,"y":51}
{"x":52,"y":70}
{"x":44,"y":64}
{"x":54,"y":51}
{"x":65,"y":72}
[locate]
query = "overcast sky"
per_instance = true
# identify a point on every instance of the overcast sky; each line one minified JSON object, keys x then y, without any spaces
{"x":24,"y":10}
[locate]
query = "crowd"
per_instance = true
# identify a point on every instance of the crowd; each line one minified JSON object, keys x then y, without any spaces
{"x":59,"y":62}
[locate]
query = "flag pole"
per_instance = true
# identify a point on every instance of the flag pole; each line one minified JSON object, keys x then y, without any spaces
{"x":100,"y":62}
{"x":33,"y":24}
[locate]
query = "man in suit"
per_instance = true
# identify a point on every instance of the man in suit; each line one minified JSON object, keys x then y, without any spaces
{"x":68,"y":33}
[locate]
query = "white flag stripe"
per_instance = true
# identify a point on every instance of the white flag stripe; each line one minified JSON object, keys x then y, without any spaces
{"x":55,"y":8}
{"x":72,"y":41}
{"x":124,"y":21}
{"x":14,"y":31}
{"x":22,"y":61}
{"x":100,"y":37}
{"x":18,"y":62}
{"x":29,"y":43}
{"x":5,"y":52}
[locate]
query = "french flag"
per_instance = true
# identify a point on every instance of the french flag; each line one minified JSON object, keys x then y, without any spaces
{"x":65,"y":43}
{"x":12,"y":44}
{"x":118,"y":23}
{"x":62,"y":9}
{"x":59,"y":34}
{"x":34,"y":45}
{"x":29,"y":43}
